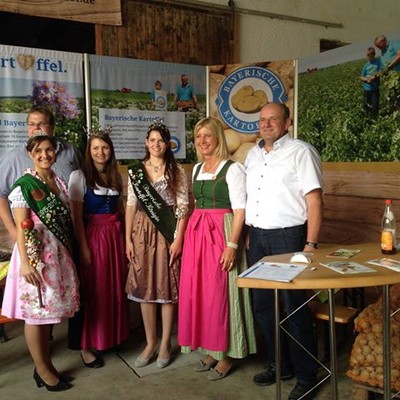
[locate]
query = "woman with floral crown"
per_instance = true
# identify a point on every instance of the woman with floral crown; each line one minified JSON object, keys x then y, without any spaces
{"x":42,"y":285}
{"x":155,"y":223}
{"x":97,"y":213}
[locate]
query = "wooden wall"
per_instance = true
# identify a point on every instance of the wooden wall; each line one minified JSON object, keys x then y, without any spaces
{"x":171,"y":32}
{"x":354,"y":195}
{"x":354,"y":200}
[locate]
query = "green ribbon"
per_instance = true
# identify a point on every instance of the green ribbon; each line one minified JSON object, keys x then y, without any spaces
{"x":48,"y":207}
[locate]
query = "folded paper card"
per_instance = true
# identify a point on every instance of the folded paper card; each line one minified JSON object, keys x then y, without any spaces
{"x":301,"y":258}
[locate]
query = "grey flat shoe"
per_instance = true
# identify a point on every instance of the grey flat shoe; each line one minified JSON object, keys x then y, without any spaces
{"x":215,"y":375}
{"x":163,"y":362}
{"x":141,"y":362}
{"x":201,"y":366}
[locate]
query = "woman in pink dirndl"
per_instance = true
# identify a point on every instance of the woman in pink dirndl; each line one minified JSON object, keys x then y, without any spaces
{"x":97,"y":212}
{"x":215,"y":316}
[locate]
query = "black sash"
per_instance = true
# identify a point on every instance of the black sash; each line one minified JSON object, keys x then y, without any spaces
{"x":160,"y":214}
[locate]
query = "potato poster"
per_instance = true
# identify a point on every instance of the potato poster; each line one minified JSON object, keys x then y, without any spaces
{"x":237,"y":92}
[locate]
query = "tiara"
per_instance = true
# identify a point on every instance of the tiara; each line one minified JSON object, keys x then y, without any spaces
{"x":159,"y":126}
{"x":158,"y":123}
{"x":106,"y":131}
{"x":38,"y":133}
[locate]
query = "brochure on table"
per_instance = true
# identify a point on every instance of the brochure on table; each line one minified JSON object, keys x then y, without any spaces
{"x":387,"y":263}
{"x":347,"y":267}
{"x":279,"y":272}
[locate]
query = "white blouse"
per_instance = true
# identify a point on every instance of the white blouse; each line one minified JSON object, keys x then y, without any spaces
{"x":161,"y":186}
{"x":77,"y":187}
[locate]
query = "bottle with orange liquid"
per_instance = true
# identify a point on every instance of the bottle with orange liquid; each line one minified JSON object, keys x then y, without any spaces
{"x":388,"y":235}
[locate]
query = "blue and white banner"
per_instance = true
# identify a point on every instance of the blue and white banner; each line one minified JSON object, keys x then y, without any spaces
{"x":128,"y":95}
{"x":238,"y":92}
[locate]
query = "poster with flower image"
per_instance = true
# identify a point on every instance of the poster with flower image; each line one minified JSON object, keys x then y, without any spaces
{"x":31,"y":77}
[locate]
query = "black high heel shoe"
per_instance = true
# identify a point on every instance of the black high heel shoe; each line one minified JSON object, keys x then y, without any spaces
{"x":96,"y":363}
{"x":66,"y":378}
{"x":61,"y":385}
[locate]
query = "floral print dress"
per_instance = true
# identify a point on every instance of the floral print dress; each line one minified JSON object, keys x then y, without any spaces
{"x":59,"y":283}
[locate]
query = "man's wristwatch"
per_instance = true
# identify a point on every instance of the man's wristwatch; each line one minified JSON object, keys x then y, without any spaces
{"x":312,"y":244}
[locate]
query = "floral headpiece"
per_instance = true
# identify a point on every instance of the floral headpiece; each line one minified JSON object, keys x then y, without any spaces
{"x":38,"y":133}
{"x":160,"y":127}
{"x":99,"y":132}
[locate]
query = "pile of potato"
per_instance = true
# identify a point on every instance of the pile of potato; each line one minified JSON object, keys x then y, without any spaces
{"x":366,"y":358}
{"x":249,"y":100}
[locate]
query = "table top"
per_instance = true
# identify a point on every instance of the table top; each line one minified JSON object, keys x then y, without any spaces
{"x":321,"y":277}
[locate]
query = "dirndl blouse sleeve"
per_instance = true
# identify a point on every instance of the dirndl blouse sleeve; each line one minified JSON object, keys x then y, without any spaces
{"x":16,"y":199}
{"x":236,"y":180}
{"x":77,"y":186}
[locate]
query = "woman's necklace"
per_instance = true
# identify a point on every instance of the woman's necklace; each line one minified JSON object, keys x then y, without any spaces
{"x":50,"y":182}
{"x":209,"y":170}
{"x":156,"y":168}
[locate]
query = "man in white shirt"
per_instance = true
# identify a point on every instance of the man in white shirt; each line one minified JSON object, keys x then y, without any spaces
{"x":284,"y":212}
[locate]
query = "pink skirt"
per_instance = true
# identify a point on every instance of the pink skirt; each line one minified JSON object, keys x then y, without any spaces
{"x":105,"y":304}
{"x":203,"y":294}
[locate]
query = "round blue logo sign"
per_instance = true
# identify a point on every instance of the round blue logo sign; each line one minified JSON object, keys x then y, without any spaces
{"x":244,"y":92}
{"x":175,"y":144}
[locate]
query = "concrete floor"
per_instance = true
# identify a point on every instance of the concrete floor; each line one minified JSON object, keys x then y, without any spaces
{"x":119,"y":380}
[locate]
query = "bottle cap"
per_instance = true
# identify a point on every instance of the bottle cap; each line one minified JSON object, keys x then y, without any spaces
{"x":388,"y":201}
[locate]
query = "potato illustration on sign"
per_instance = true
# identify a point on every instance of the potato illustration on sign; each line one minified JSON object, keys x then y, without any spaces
{"x":249,"y":101}
{"x":237,"y":93}
{"x":25,"y":61}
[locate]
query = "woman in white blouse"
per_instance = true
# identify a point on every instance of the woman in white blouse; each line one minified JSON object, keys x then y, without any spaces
{"x":157,"y":193}
{"x":97,"y":211}
{"x":214,"y":315}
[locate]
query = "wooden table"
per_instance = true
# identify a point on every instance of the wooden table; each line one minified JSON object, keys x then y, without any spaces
{"x":316,"y":276}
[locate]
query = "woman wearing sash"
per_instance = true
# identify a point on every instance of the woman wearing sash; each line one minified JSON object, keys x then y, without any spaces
{"x":97,"y":212}
{"x":42,"y":286}
{"x":157,"y":193}
{"x":214,"y":315}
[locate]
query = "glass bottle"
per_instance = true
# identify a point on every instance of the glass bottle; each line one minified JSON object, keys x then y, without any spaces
{"x":388,"y":229}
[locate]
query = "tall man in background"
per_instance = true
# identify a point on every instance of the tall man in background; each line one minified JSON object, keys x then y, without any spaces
{"x":284,"y":212}
{"x":390,"y":53}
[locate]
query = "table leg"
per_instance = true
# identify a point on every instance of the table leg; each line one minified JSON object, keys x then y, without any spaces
{"x":386,"y":343}
{"x":332,"y":343}
{"x":277,"y":345}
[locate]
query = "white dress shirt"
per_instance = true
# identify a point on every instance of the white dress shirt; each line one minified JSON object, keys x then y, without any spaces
{"x":277,"y":183}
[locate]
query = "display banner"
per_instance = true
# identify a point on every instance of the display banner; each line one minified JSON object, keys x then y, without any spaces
{"x":349,"y":101}
{"x":237,"y":93}
{"x":128,"y":95}
{"x":39,"y":77}
{"x":105,"y":12}
{"x":128,"y":130}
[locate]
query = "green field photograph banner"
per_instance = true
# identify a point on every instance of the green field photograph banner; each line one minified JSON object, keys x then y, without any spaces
{"x":347,"y":118}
